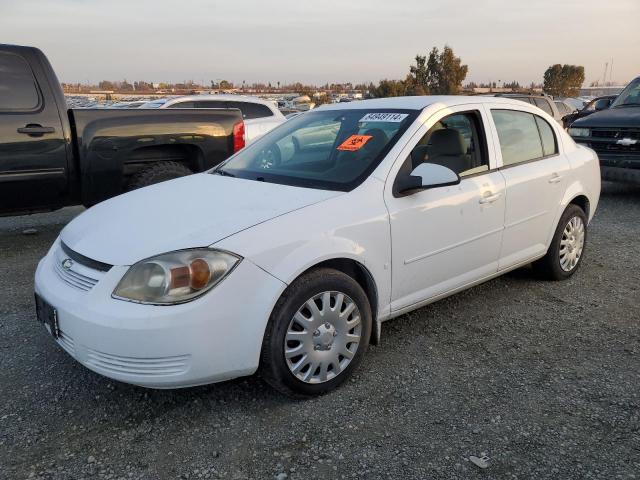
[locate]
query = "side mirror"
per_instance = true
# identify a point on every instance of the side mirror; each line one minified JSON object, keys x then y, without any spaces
{"x":425,"y":176}
{"x":602,"y":104}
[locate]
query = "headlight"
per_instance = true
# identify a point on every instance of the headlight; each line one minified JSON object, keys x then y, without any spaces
{"x":175,"y":277}
{"x":579,"y":132}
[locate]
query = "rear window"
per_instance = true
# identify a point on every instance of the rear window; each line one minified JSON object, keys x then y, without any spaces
{"x":18,"y":87}
{"x":251,"y":110}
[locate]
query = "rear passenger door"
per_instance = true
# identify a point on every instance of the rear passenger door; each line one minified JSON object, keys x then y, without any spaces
{"x":535,"y":174}
{"x":447,"y":237}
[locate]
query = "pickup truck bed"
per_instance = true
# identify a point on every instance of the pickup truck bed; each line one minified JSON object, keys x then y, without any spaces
{"x":52,"y":156}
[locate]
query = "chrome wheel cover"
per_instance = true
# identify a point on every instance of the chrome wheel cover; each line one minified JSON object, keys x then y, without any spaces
{"x":571,"y":244}
{"x":323,"y":337}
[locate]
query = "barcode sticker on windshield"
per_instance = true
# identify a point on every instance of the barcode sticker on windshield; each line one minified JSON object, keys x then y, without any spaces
{"x":384,"y":117}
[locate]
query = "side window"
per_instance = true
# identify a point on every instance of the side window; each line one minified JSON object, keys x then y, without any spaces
{"x":456,"y":142}
{"x":251,"y":110}
{"x":18,"y":88}
{"x":182,"y":105}
{"x":543,"y":103}
{"x":549,"y":143}
{"x":518,"y":135}
{"x":210,"y":104}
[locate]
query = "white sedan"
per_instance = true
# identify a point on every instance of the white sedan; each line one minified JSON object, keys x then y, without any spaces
{"x":260,"y":116}
{"x":288,"y":257}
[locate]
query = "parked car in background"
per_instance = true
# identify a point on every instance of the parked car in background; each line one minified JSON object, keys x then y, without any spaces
{"x":543,"y":102}
{"x":595,"y":105}
{"x":52,"y":156}
{"x":260,"y":116}
{"x":614,"y":133}
{"x":565,"y":110}
{"x":372,"y":209}
{"x":128,"y":104}
{"x":575,"y":103}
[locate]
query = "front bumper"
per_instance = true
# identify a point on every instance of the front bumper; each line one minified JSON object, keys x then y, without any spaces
{"x":618,"y":163}
{"x":213,"y":338}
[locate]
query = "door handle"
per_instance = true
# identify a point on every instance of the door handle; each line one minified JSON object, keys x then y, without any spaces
{"x":489,"y":197}
{"x":555,"y":178}
{"x":35,"y":130}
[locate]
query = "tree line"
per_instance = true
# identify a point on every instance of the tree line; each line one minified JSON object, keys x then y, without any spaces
{"x":440,"y":72}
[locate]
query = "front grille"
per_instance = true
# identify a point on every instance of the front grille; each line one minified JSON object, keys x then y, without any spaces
{"x":148,"y":367}
{"x":601,"y":147}
{"x":76,"y":270}
{"x":618,"y":133}
{"x":74,"y":279}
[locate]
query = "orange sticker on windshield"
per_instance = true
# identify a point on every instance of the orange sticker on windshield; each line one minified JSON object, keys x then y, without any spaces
{"x":354,"y":142}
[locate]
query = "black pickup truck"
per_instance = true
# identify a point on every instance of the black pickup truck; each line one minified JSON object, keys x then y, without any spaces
{"x":614,"y":133}
{"x":52,"y":156}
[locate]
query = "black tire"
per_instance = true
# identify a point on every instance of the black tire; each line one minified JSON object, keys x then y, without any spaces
{"x":273,"y":365}
{"x":158,"y":172}
{"x":549,"y":267}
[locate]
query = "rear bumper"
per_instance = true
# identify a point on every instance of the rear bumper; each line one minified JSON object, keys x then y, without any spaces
{"x":213,"y":338}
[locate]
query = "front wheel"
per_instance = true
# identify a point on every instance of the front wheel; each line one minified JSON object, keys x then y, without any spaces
{"x":317,"y":334}
{"x":567,"y":247}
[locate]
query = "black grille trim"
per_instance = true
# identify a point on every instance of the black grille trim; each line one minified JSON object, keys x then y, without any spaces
{"x":82,"y":260}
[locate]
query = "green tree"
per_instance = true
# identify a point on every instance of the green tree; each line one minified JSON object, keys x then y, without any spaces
{"x":106,"y":85}
{"x":563,"y":80}
{"x":442,"y":73}
{"x":389,"y":88}
{"x":418,"y":79}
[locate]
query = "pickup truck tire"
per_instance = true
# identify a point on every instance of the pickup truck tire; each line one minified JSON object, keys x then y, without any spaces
{"x":158,"y":172}
{"x":571,"y":233}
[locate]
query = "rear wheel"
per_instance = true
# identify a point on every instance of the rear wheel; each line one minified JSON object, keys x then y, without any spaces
{"x":567,"y":247}
{"x":158,"y":172}
{"x":317,"y":334}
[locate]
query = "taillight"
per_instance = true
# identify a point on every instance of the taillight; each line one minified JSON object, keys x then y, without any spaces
{"x":238,"y":136}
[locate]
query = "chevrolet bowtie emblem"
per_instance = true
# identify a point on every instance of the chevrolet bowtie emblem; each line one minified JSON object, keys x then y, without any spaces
{"x":67,"y":263}
{"x":627,"y":141}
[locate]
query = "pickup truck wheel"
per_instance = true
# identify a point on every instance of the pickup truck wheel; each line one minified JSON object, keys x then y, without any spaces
{"x":567,"y":247}
{"x":158,"y":172}
{"x":317,"y":334}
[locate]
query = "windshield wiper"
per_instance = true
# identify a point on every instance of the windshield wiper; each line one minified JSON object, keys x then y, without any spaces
{"x":224,"y":173}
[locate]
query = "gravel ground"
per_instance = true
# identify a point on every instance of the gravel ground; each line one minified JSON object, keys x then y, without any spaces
{"x":541,"y":377}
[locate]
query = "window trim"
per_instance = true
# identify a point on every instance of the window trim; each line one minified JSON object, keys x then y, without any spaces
{"x":40,"y":105}
{"x":524,"y":162}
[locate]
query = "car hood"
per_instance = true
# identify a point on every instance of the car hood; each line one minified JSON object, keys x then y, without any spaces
{"x":193,"y":211}
{"x":611,"y":117}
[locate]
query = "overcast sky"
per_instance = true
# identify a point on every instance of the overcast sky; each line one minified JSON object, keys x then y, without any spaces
{"x":322,"y":41}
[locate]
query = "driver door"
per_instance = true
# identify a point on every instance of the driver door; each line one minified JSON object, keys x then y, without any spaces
{"x":447,"y":237}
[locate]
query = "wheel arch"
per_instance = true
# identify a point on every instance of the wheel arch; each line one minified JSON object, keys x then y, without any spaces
{"x":361,"y":274}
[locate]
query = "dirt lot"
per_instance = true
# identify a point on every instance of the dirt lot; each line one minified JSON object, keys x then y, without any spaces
{"x":542,"y":377}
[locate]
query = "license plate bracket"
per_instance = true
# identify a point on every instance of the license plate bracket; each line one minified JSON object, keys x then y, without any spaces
{"x":47,"y":315}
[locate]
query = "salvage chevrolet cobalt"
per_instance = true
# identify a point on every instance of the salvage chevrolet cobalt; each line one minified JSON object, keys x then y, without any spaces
{"x":286,"y":258}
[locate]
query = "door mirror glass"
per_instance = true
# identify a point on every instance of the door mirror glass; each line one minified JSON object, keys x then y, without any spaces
{"x":602,"y":104}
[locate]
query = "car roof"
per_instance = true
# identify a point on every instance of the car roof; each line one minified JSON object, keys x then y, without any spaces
{"x":418,"y":102}
{"x":222,"y":98}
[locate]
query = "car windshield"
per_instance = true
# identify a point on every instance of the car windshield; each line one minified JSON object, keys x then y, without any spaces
{"x":326,"y":149}
{"x":630,"y":96}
